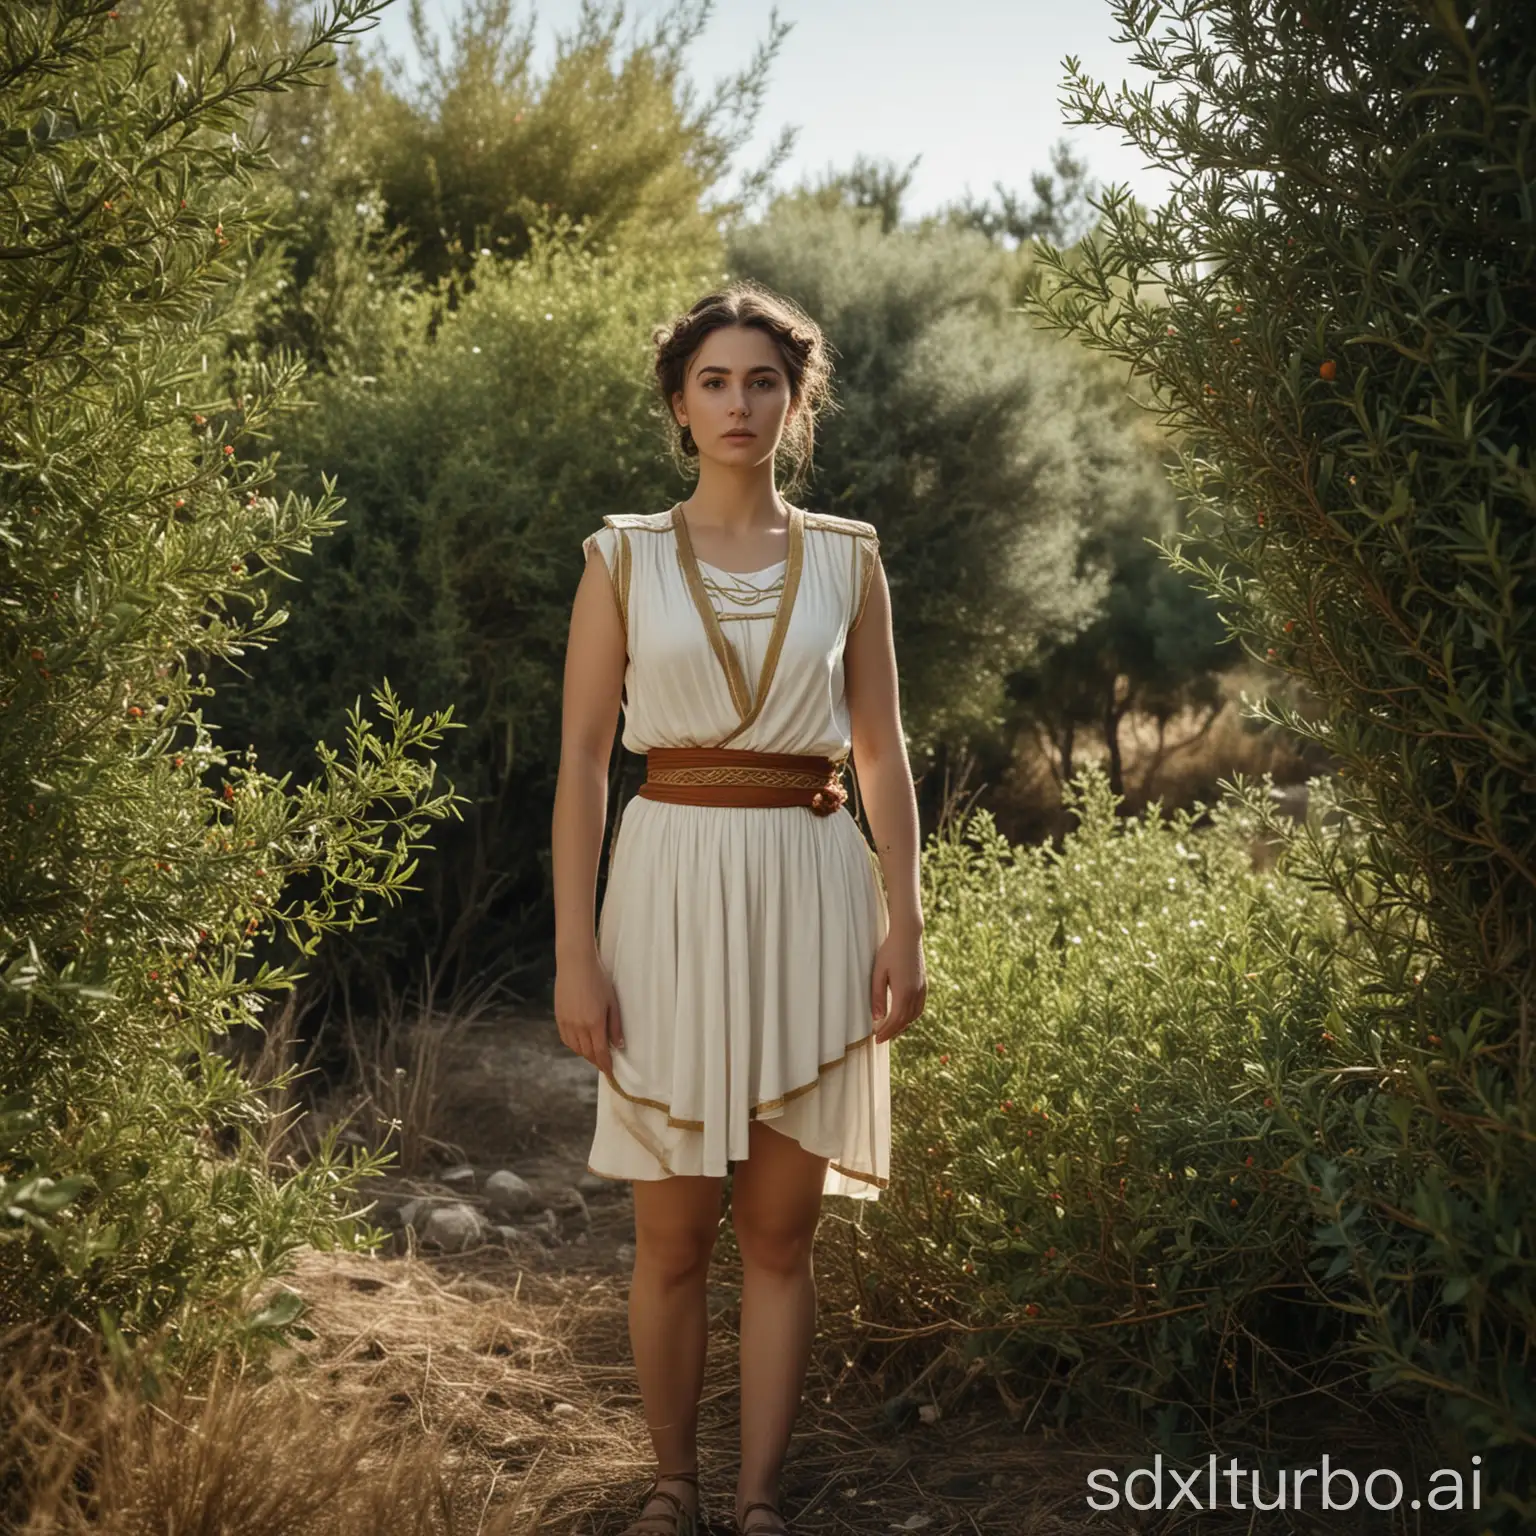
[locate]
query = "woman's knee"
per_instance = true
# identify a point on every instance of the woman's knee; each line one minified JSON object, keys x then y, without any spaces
{"x":774,"y":1246}
{"x":675,"y":1245}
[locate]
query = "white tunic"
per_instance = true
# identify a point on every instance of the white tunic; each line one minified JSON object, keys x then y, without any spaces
{"x":741,"y":939}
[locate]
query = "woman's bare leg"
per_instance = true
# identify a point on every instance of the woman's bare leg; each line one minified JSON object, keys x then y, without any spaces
{"x":775,"y":1204}
{"x":676,"y":1221}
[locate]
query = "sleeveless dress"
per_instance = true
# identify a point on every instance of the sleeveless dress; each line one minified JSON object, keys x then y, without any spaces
{"x":741,"y":939}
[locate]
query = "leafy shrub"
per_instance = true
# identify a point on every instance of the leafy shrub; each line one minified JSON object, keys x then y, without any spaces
{"x":1092,"y":1174}
{"x":509,"y":425}
{"x":140,"y":861}
{"x":1335,"y":308}
{"x":985,"y":451}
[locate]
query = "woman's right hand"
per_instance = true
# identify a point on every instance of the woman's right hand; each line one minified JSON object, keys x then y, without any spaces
{"x":587,"y":1011}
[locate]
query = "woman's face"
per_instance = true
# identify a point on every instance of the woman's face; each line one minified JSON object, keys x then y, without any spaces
{"x":735,"y":396}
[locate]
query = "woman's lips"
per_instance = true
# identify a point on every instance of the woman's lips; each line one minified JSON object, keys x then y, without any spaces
{"x":743,"y":436}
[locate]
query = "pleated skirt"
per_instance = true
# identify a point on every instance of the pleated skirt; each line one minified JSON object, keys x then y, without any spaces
{"x":741,"y":942}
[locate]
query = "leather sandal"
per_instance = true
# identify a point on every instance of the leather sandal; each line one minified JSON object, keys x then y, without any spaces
{"x":757,"y":1528}
{"x":680,"y":1522}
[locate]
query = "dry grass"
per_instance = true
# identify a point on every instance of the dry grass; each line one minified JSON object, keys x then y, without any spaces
{"x":475,"y":1399}
{"x":424,"y":1404}
{"x":491,"y":1403}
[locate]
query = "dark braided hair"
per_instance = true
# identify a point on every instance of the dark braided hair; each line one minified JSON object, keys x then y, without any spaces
{"x":800,"y":343}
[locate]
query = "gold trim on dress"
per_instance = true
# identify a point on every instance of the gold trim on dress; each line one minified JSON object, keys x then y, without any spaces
{"x":753,"y":1110}
{"x":865,"y":1178}
{"x":847,"y":1173}
{"x":746,"y":708}
{"x":866,"y":576}
{"x":622,"y":585}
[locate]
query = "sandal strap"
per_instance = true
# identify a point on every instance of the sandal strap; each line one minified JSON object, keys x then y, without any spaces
{"x":673,"y":1522}
{"x":749,"y":1529}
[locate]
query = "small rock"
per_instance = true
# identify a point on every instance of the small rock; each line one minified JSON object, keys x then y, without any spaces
{"x":593,"y":1184}
{"x":564,"y":1410}
{"x":581,"y":1239}
{"x":625,"y":1254}
{"x":461,"y":1178}
{"x":545,"y":1225}
{"x":513,"y":1237}
{"x":453,"y":1228}
{"x":507,"y":1194}
{"x":420,"y":1214}
{"x":571,"y":1207}
{"x":929,"y":1413}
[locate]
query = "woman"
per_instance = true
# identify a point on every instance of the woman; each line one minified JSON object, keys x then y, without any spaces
{"x":753,"y":960}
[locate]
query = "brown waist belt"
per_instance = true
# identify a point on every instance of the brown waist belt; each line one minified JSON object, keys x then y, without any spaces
{"x":734,"y":776}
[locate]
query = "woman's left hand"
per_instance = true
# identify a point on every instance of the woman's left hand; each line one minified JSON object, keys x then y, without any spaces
{"x":899,"y":969}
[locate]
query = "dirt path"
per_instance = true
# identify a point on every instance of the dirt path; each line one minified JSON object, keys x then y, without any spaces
{"x":516,"y":1351}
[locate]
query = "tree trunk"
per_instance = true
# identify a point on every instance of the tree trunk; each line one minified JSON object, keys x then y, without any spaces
{"x":1114,"y":711}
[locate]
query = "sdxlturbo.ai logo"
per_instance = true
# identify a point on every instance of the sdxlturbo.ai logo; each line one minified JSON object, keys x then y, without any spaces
{"x":1336,"y":1488}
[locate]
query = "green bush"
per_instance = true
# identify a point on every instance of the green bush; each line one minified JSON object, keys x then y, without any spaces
{"x":474,"y":467}
{"x":142,"y":861}
{"x":1091,"y":1171}
{"x":981,"y":447}
{"x":1335,"y":309}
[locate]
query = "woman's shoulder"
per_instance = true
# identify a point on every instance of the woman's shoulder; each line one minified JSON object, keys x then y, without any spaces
{"x":852,"y":526}
{"x":653,"y":522}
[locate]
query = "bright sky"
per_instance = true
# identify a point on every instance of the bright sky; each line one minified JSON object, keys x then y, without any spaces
{"x":972,"y":86}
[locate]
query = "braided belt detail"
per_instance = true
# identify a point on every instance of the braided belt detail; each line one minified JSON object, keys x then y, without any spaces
{"x":734,"y":776}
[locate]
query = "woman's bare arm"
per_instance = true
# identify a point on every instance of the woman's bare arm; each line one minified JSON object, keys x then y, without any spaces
{"x":594,"y":682}
{"x":880,"y":755}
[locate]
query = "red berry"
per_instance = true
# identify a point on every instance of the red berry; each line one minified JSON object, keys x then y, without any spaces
{"x":1329,"y":369}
